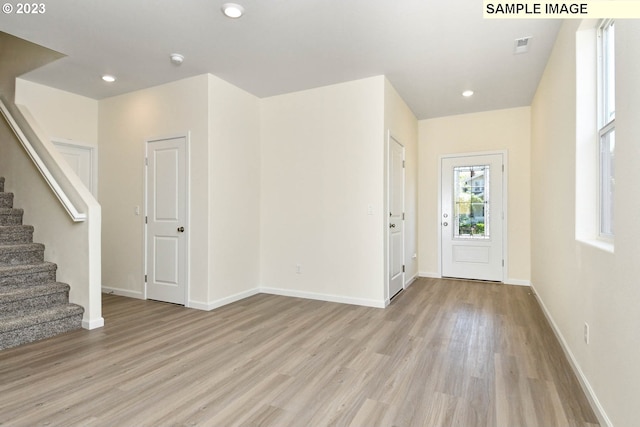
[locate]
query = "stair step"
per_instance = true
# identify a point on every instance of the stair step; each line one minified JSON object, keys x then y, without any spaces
{"x":23,"y":299}
{"x":10,"y":216}
{"x":27,"y":273}
{"x":15,"y":234}
{"x":39,"y":325}
{"x":6,"y":200}
{"x":33,"y":306}
{"x":25,"y":253}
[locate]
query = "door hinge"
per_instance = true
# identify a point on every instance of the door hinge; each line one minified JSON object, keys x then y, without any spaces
{"x":503,"y":263}
{"x":502,"y":168}
{"x":403,"y":268}
{"x":403,"y":163}
{"x":403,"y":216}
{"x":145,"y":278}
{"x":146,"y":161}
{"x":146,"y":219}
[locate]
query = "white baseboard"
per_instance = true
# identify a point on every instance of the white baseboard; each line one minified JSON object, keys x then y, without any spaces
{"x":212,"y":305}
{"x":93,"y":323}
{"x":517,"y":282}
{"x":324,"y":297}
{"x":430,"y":275}
{"x":582,"y":379}
{"x":122,"y":292}
{"x":410,"y":281}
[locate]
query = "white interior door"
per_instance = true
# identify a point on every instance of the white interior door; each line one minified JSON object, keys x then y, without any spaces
{"x":81,"y":159}
{"x":472,"y":217}
{"x":166,"y":197}
{"x":396,"y":217}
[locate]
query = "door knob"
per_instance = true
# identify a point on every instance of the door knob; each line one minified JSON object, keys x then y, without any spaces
{"x":392,"y":226}
{"x":180,"y":229}
{"x":445,"y":223}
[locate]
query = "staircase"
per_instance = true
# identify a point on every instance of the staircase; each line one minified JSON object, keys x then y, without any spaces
{"x":33,"y":305}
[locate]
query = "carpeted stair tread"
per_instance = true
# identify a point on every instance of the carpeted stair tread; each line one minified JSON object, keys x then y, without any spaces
{"x":39,"y":325}
{"x":24,"y":253}
{"x":27,"y":273}
{"x":41,"y":316}
{"x":15,"y":234}
{"x":11,"y":216}
{"x":6,"y":200}
{"x":24,"y":300}
{"x":21,"y":292}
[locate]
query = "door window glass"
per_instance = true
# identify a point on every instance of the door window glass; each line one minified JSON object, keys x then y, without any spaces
{"x":471,"y":202}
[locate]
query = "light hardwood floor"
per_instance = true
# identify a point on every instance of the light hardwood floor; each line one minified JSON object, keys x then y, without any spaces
{"x":444,"y":353}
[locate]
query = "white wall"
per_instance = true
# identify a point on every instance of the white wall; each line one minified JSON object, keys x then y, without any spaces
{"x":403,"y":125}
{"x":492,"y":130}
{"x":234,"y":192}
{"x":223,"y":124}
{"x":125,"y":123}
{"x":350,"y":123}
{"x":322,"y":164}
{"x":235,"y":179}
{"x":63,"y":115}
{"x":575,"y":281}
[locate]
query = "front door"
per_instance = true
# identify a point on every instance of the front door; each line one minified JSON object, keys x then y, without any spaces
{"x":166,"y":219}
{"x":396,"y":217}
{"x":471,"y":217}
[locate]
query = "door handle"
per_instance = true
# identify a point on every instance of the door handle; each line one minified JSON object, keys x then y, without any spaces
{"x":445,"y":223}
{"x":180,"y":229}
{"x":392,"y":226}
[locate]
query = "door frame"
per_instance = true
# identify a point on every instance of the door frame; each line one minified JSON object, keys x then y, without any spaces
{"x":187,"y":233}
{"x":93,"y":153}
{"x":387,"y":269}
{"x":505,"y":204}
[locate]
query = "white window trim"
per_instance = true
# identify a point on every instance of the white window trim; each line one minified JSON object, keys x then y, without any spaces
{"x":605,"y":126}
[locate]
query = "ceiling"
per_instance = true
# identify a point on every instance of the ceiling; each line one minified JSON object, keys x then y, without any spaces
{"x":430,"y":50}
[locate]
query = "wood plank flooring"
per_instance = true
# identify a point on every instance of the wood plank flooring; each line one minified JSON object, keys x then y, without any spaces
{"x":444,"y":353}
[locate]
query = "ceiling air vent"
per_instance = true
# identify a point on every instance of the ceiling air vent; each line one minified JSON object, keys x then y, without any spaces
{"x":521,"y":45}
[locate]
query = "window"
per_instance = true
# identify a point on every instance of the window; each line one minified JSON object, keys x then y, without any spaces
{"x":471,"y":201}
{"x":606,"y":125}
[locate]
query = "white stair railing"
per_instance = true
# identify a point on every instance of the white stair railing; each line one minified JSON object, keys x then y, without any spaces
{"x":72,"y":209}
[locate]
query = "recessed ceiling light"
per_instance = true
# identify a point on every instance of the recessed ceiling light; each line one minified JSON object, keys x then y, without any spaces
{"x":467,"y":93}
{"x":232,"y":10}
{"x":108,"y":78}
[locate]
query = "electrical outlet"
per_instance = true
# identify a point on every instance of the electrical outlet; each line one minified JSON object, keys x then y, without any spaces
{"x":586,"y":333}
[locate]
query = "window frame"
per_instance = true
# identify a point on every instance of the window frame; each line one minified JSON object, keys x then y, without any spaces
{"x":606,"y":128}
